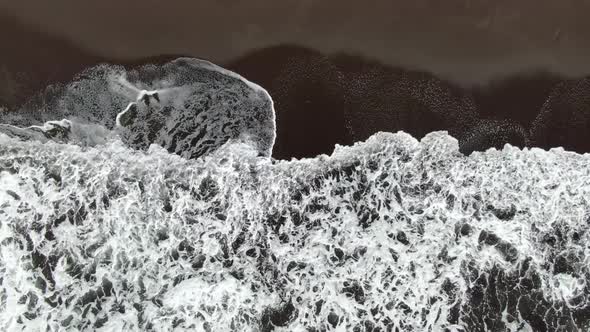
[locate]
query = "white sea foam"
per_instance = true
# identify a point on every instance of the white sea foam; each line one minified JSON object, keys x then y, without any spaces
{"x":189,"y":106}
{"x":225,"y":241}
{"x":109,"y":224}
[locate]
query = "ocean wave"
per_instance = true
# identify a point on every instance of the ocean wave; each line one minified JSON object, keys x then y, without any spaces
{"x":189,"y":106}
{"x":388,"y":234}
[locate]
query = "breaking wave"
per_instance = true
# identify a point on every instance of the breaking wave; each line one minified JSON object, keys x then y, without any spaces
{"x":130,"y":232}
{"x":190,"y":107}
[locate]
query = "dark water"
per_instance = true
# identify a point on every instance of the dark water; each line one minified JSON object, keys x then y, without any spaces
{"x":208,"y":229}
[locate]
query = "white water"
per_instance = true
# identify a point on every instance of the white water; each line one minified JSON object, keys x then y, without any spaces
{"x":108,"y":237}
